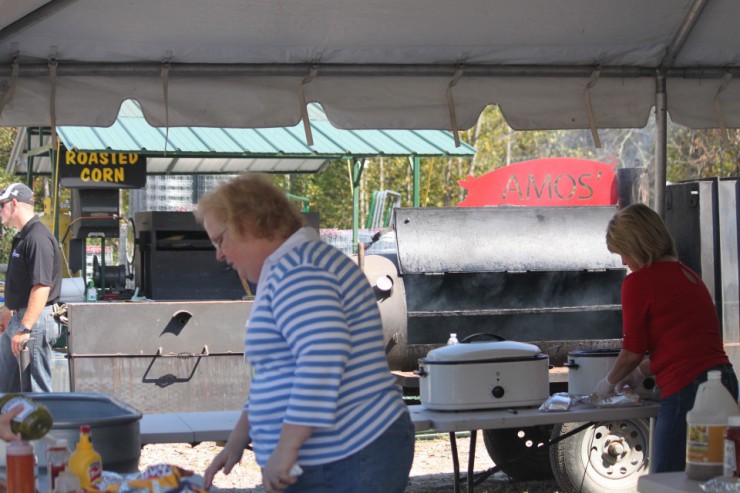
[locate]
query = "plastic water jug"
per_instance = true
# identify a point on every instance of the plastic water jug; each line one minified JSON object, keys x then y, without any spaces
{"x":706,"y":423}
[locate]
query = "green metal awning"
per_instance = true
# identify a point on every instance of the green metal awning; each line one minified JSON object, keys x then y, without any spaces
{"x":205,"y":150}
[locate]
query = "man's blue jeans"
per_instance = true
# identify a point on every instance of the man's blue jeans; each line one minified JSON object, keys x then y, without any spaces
{"x":39,"y":348}
{"x":381,"y":467}
{"x":669,"y":437}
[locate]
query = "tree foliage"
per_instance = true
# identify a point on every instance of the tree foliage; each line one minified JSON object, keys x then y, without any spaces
{"x":692,"y":154}
{"x":7,"y":139}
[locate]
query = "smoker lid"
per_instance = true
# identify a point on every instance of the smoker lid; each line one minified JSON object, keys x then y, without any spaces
{"x":481,"y":351}
{"x":503,"y":239}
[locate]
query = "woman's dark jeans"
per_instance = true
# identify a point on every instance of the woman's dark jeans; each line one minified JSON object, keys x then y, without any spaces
{"x":381,"y":467}
{"x":669,"y":437}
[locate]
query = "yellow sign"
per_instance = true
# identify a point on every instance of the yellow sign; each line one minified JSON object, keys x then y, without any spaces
{"x":79,"y":169}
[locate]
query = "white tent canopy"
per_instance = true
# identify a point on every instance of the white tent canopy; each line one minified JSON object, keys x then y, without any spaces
{"x":414,"y":64}
{"x":431,"y":64}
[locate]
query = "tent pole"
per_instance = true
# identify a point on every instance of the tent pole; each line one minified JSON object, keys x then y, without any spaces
{"x":415,"y":162}
{"x":661,"y":102}
{"x":357,"y":167}
{"x":55,"y":190}
{"x":29,"y":146}
{"x":661,"y":138}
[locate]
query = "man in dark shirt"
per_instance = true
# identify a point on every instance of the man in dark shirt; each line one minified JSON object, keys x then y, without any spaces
{"x":32,"y":284}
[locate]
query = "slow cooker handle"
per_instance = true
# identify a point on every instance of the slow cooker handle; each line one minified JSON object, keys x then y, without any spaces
{"x":483,"y":334}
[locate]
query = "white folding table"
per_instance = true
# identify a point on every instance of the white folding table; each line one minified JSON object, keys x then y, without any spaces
{"x":472,"y":421}
{"x":193,"y":427}
{"x":668,"y":482}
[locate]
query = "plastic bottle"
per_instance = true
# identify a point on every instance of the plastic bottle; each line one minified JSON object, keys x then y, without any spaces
{"x":57,"y":460}
{"x":453,"y":339}
{"x":20,"y":463}
{"x":33,"y":422}
{"x":85,"y":462}
{"x":67,"y":482}
{"x":732,"y":447}
{"x":706,"y":424}
{"x":92,"y":292}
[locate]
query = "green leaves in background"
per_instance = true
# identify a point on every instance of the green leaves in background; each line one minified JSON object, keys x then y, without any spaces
{"x":692,"y":154}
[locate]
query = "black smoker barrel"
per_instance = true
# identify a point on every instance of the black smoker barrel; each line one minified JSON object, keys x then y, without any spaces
{"x":527,"y":274}
{"x":175,"y":260}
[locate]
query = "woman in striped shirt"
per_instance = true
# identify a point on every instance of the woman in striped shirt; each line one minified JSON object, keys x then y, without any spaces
{"x":322,"y":396}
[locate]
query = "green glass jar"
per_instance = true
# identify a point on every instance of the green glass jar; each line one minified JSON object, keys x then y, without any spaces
{"x":33,"y":422}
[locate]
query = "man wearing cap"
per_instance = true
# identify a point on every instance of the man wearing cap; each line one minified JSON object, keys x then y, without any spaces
{"x":32,"y":284}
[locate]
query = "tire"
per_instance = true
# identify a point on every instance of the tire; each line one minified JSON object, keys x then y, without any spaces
{"x":520,"y":452}
{"x":608,"y":456}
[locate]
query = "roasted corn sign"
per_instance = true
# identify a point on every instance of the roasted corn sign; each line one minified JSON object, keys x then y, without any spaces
{"x":81,"y":169}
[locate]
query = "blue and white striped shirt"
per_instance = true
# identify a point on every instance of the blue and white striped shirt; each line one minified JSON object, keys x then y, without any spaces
{"x":315,"y":341}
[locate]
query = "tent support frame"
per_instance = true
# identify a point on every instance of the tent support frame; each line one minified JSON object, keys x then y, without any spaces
{"x":80,"y":69}
{"x":661,"y":145}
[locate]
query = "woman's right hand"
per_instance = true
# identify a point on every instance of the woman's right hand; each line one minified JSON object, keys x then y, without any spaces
{"x":6,"y":432}
{"x":631,"y":381}
{"x":604,"y":388}
{"x":225,"y":460}
{"x":232,"y":452}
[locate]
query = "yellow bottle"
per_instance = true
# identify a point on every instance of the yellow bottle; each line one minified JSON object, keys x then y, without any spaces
{"x":85,"y":462}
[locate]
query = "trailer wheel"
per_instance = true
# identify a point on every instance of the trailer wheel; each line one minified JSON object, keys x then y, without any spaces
{"x":521,"y":452}
{"x":608,"y":456}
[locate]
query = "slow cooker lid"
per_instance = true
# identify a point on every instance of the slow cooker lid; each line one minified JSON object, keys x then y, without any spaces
{"x":484,"y":350}
{"x":594,"y":353}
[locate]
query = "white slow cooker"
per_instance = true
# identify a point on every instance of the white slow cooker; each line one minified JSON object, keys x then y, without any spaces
{"x":483,"y":375}
{"x":586,"y":367}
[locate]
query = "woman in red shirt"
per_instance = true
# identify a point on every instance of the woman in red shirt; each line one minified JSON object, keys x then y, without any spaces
{"x":668,"y":313}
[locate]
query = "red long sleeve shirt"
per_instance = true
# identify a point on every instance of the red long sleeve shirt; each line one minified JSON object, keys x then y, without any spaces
{"x":668,"y":312}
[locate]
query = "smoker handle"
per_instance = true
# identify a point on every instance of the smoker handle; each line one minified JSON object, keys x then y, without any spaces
{"x":168,"y":379}
{"x":483,"y":334}
{"x":161,"y":354}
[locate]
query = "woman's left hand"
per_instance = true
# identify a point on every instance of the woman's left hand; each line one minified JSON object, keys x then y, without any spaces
{"x":276,"y":473}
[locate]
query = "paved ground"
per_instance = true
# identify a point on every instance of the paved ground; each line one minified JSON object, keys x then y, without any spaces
{"x":431,"y":472}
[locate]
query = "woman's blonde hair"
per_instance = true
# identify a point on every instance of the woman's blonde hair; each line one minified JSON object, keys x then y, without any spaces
{"x":251,"y":203}
{"x":638,"y":232}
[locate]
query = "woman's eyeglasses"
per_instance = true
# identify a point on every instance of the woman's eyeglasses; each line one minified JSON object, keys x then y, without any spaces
{"x":218,"y":240}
